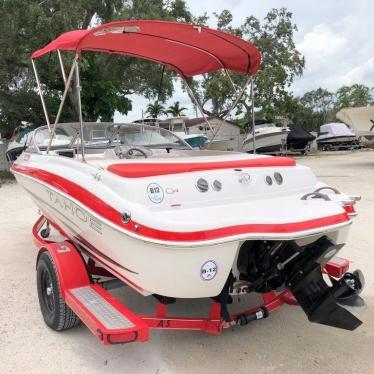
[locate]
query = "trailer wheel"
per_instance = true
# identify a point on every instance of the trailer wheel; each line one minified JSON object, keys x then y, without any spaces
{"x":56,"y":313}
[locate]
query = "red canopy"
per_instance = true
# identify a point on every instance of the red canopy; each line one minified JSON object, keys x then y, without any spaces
{"x":187,"y":48}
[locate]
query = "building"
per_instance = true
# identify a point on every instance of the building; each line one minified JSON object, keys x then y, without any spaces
{"x":227,"y":138}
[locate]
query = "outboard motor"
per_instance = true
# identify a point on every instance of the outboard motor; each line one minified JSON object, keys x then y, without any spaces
{"x":270,"y":265}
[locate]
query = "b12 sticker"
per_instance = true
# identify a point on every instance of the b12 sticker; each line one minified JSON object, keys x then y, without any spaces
{"x":208,"y":270}
{"x":155,"y":193}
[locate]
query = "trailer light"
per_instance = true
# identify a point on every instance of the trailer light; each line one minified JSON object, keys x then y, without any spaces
{"x":350,"y":209}
{"x":128,"y":337}
{"x":278,"y":178}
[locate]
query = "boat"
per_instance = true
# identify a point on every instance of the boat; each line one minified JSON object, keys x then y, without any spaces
{"x":335,"y":136}
{"x":18,"y":143}
{"x":135,"y":205}
{"x":216,"y":137}
{"x":269,"y":138}
{"x":298,"y":139}
{"x":361,"y":120}
{"x":223,"y":144}
{"x":177,"y":125}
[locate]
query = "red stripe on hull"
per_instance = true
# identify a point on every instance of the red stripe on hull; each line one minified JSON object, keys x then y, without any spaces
{"x":104,"y":210}
{"x":141,"y":170}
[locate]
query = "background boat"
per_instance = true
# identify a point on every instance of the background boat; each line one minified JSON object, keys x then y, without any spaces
{"x":269,"y":138}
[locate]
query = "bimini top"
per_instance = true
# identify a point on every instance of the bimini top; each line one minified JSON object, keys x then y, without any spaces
{"x":187,"y":48}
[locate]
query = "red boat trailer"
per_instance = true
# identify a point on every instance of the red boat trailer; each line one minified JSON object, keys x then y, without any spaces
{"x":113,"y":323}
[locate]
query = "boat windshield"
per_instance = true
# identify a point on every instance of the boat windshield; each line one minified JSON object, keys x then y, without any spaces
{"x":106,"y":135}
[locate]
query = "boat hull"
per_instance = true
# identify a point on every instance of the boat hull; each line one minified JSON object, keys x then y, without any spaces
{"x":187,"y":244}
{"x":268,"y":142}
{"x":221,"y":144}
{"x":150,"y":268}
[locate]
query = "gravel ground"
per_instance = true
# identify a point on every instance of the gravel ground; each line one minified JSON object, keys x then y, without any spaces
{"x":283,"y":343}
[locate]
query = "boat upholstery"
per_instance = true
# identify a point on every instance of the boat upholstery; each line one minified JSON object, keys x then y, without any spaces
{"x":147,"y":169}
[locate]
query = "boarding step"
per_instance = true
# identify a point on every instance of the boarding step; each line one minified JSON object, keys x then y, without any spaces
{"x":108,"y":319}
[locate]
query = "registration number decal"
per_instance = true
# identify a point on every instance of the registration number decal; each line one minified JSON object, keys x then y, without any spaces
{"x":155,"y":193}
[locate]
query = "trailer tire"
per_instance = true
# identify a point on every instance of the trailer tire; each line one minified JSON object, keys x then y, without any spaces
{"x":56,"y":313}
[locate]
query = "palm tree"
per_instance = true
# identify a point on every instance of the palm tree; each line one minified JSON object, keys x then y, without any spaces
{"x":175,"y":110}
{"x":155,"y":110}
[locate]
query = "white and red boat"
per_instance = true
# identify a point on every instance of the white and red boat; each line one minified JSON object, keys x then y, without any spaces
{"x":137,"y":204}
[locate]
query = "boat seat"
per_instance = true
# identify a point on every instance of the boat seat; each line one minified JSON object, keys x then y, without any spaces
{"x":149,"y":169}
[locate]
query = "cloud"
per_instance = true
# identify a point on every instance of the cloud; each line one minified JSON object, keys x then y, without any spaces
{"x":324,"y":51}
{"x":321,"y":42}
{"x":363,"y":73}
{"x":335,"y":55}
{"x":335,"y":38}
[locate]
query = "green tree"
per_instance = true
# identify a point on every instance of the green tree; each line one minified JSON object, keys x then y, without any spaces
{"x":281,"y":63}
{"x":175,"y":110}
{"x":311,"y":110}
{"x":320,"y":106}
{"x":108,"y":80}
{"x":354,"y":96}
{"x":155,"y":110}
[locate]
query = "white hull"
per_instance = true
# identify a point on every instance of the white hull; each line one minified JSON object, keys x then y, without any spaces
{"x":335,"y":139}
{"x":266,"y":141}
{"x":167,"y":266}
{"x":221,"y":145}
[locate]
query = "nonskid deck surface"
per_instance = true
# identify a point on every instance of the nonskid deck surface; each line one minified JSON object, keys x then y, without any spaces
{"x":109,"y":316}
{"x":108,"y":319}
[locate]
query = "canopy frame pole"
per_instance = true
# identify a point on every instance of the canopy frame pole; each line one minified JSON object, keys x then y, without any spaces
{"x":253,"y":117}
{"x":41,"y":94}
{"x":230,"y":80}
{"x":62,"y":66}
{"x":235,"y":103}
{"x":67,"y":86}
{"x":78,"y":87}
{"x":161,"y":83}
{"x":239,"y":96}
{"x":194,"y":98}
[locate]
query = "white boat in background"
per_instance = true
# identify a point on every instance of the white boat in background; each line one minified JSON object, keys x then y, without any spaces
{"x":336,"y":135}
{"x":221,"y":144}
{"x":269,"y":138}
{"x":18,"y":143}
{"x":177,"y":125}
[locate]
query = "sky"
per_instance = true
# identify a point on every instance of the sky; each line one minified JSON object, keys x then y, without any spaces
{"x":335,"y":36}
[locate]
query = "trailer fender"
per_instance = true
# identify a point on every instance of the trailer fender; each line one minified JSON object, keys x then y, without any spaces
{"x":69,"y":264}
